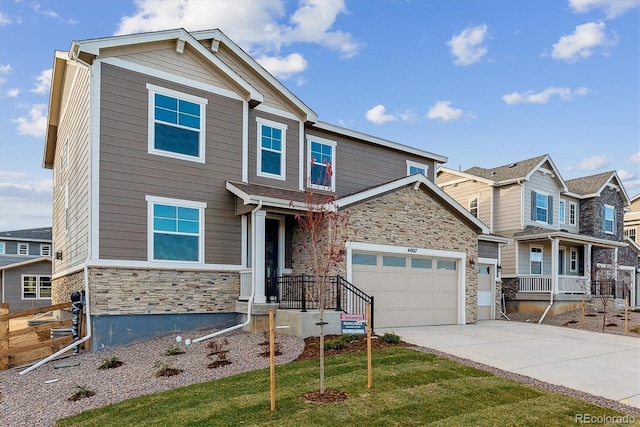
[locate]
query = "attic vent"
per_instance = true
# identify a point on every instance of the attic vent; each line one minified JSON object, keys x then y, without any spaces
{"x":493,"y":173}
{"x":513,"y":165}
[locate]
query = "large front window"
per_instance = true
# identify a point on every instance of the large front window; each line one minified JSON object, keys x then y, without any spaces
{"x":271,"y":149}
{"x":176,"y":230}
{"x":321,"y":161}
{"x":536,"y":260}
{"x":609,"y":219}
{"x":176,"y":124}
{"x":36,"y":287}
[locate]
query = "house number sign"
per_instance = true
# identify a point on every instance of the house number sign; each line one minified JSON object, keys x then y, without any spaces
{"x":412,"y":250}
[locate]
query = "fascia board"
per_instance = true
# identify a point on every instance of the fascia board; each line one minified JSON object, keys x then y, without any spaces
{"x":379,"y":141}
{"x":547,"y":158}
{"x":55,"y":94}
{"x":467,"y":176}
{"x":311,"y":116}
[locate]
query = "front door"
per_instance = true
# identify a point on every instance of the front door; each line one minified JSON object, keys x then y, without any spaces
{"x":485,"y":292}
{"x":271,"y":254}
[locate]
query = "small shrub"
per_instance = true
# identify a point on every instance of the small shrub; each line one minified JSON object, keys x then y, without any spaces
{"x":391,"y":338}
{"x":110,"y":363}
{"x":81,"y":392}
{"x":635,"y":330}
{"x":217,"y":346}
{"x":611,"y":324}
{"x":165,"y":369}
{"x":174,"y":350}
{"x":336,"y":344}
{"x":349,"y":338}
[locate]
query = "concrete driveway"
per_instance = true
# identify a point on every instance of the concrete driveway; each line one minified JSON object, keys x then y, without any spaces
{"x":597,"y":363}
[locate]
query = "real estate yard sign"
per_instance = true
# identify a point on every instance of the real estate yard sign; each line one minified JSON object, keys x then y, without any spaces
{"x":353,"y":323}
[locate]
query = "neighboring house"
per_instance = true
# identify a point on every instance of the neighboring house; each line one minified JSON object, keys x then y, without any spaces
{"x":179,"y":165}
{"x":25,"y":268}
{"x":632,"y":220}
{"x":566,"y":234}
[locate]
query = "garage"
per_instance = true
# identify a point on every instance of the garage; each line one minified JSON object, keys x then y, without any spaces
{"x":409,"y":290}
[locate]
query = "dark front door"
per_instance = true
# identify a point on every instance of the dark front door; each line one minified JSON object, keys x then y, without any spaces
{"x":271,"y":234}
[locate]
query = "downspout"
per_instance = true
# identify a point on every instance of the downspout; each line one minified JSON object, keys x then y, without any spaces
{"x":551,"y":298}
{"x":74,"y":56}
{"x":88,"y":325}
{"x":253,"y":289}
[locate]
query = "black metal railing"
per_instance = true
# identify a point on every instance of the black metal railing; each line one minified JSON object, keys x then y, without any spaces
{"x":609,"y":288}
{"x":301,"y":293}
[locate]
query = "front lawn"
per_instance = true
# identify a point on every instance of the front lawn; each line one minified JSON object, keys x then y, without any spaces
{"x":410,"y":388}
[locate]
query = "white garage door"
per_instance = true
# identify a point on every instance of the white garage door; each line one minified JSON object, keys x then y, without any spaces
{"x":408,"y":290}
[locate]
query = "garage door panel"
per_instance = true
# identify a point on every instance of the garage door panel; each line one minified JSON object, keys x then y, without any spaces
{"x":415,"y":294}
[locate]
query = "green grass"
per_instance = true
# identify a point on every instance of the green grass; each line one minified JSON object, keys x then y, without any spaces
{"x":410,"y":388}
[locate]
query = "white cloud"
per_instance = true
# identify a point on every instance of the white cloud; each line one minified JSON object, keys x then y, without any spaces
{"x":48,"y":12}
{"x":25,"y":201}
{"x":255,"y":26}
{"x":378,"y":116}
{"x":591,"y":163}
{"x":467,"y":46}
{"x":283,"y":68}
{"x":625,"y":175}
{"x":12,"y":93}
{"x":5,"y":69}
{"x":582,"y":43}
{"x":529,"y":97}
{"x":635,"y":158}
{"x":35,"y":124}
{"x":4,"y":19}
{"x":442,"y":110}
{"x":43,"y":82}
{"x":611,"y":8}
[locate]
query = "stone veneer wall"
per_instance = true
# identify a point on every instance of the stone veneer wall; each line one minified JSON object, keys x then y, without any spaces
{"x":62,"y":287}
{"x":131,"y":291}
{"x":411,"y":218}
{"x":591,"y":215}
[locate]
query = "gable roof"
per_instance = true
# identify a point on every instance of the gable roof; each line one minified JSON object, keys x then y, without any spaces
{"x":513,"y":172}
{"x":592,"y":186}
{"x":25,"y":262}
{"x":39,"y":234}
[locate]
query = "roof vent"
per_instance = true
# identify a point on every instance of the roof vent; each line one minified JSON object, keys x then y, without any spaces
{"x":493,"y":173}
{"x":512,"y":165}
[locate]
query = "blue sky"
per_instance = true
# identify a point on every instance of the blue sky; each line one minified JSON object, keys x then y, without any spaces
{"x":484,"y":83}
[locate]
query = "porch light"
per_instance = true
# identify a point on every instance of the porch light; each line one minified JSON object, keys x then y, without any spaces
{"x":59,"y":255}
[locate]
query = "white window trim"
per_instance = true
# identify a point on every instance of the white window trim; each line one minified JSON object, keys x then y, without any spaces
{"x":541,"y":260}
{"x":411,"y":163}
{"x":573,"y":268}
{"x":153,"y":89}
{"x":38,"y":285}
{"x":283,"y":153}
{"x":3,"y":247}
{"x":614,"y":226}
{"x":26,"y":247}
{"x":562,"y":211}
{"x":546,"y":220}
{"x":574,"y":206}
{"x":201,"y":206}
{"x":324,"y":141}
{"x":471,"y":198}
{"x":45,"y":250}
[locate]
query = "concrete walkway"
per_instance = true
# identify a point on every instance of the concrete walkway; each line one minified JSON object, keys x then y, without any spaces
{"x":597,"y":363}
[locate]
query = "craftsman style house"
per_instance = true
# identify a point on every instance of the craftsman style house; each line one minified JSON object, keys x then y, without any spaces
{"x":179,"y":165}
{"x":25,"y":268}
{"x":567,"y":235}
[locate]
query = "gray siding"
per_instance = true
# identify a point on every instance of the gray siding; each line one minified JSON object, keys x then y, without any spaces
{"x":487,"y":249}
{"x":128,"y":172}
{"x":524,"y":261}
{"x":71,"y":227}
{"x":12,"y":281}
{"x":541,"y":183}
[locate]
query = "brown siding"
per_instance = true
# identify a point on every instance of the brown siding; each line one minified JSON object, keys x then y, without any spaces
{"x":464,"y":190}
{"x":128,"y":172}
{"x":508,"y":210}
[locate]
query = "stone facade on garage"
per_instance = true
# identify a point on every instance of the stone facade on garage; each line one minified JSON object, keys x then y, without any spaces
{"x":411,"y":218}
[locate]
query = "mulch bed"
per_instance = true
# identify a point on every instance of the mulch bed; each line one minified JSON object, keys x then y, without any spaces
{"x":312,"y":346}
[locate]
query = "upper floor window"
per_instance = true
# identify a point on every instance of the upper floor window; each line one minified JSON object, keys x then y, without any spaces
{"x":176,"y":124}
{"x":573,"y":213}
{"x":629,"y":232}
{"x":36,"y":287}
{"x":561,"y":217}
{"x":2,"y":248}
{"x":474,"y":202}
{"x":23,"y":249}
{"x":321,"y":161}
{"x":608,"y":219}
{"x":541,"y":207}
{"x":536,"y":260}
{"x":45,"y":250}
{"x":271,"y":148}
{"x":176,"y":229}
{"x":414,"y":168}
